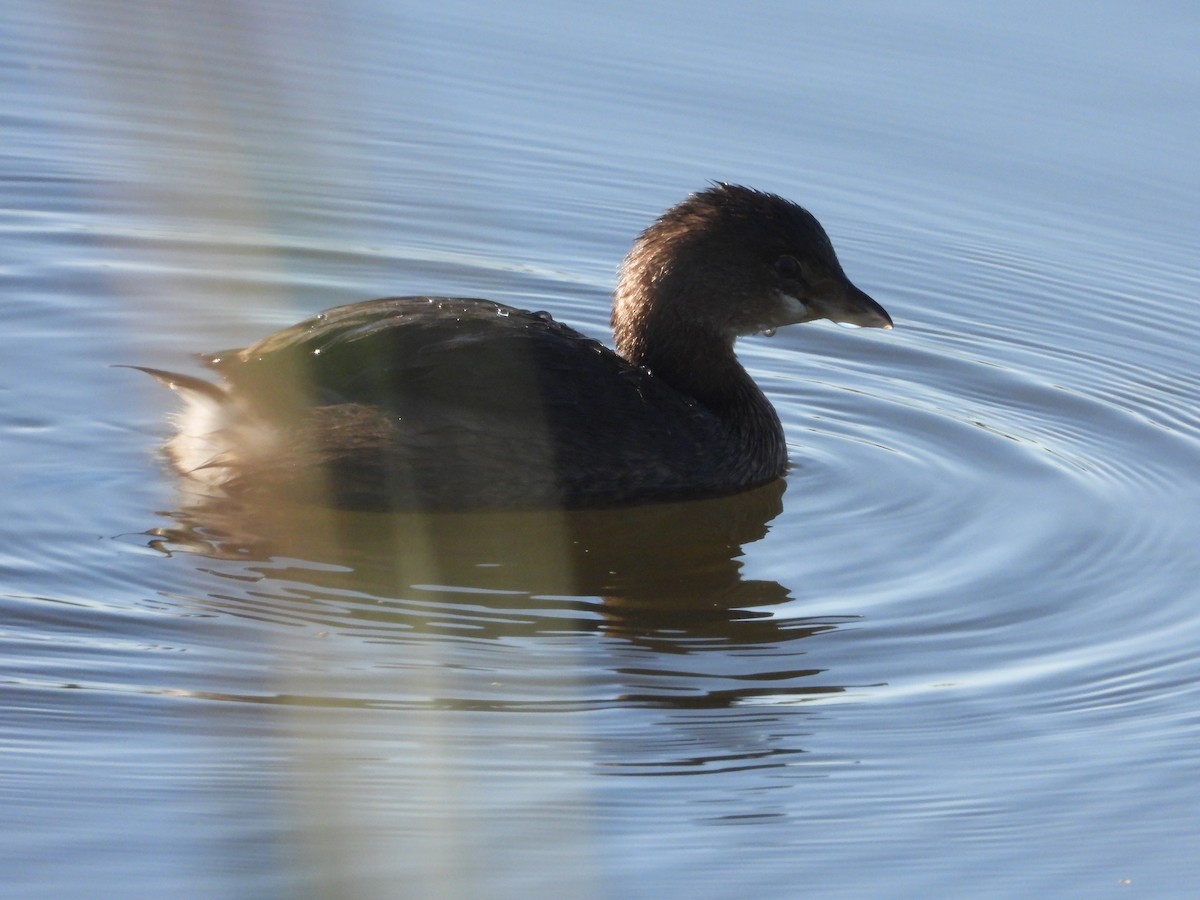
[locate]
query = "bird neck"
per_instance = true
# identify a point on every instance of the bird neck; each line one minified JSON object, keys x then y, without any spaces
{"x":702,"y":366}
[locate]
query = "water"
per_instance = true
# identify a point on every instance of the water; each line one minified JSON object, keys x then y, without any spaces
{"x":955,"y":657}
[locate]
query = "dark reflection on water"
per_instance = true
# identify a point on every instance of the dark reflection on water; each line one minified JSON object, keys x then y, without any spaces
{"x":661,"y":585}
{"x":660,"y":552}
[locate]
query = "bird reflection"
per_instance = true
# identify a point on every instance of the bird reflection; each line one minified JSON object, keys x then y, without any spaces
{"x":664,"y":583}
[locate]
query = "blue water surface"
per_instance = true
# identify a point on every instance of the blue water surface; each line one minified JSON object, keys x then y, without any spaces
{"x":955,"y":657}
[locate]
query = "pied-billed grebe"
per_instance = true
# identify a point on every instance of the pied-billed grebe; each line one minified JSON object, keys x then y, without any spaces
{"x":448,"y":403}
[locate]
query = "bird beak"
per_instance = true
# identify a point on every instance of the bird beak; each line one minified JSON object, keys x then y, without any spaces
{"x":846,"y":304}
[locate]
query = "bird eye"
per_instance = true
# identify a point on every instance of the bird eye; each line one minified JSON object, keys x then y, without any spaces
{"x":787,"y":266}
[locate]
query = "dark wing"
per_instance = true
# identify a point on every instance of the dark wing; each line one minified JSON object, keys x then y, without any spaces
{"x":474,"y":391}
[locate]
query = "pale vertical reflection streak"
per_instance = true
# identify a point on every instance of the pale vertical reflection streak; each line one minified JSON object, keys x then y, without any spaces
{"x":202,"y":170}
